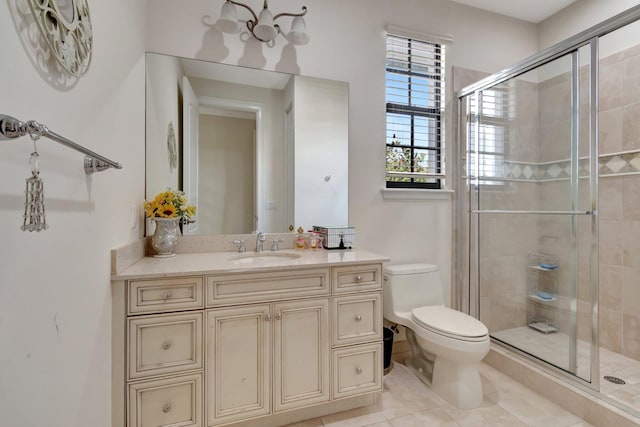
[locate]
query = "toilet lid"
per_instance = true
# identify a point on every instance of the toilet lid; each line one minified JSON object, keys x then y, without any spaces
{"x":449,"y":322}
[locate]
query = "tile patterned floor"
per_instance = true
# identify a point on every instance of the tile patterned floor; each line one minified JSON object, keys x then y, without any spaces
{"x":554,"y":348}
{"x":407,"y":402}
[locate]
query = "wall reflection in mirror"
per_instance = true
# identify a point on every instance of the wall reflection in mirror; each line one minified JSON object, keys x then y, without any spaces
{"x":252,"y":149}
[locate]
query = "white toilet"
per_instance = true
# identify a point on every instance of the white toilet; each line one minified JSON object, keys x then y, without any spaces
{"x":447,"y":345}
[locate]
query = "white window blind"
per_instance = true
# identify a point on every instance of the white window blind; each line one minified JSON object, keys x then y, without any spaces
{"x":415,"y":100}
{"x":494,"y":134}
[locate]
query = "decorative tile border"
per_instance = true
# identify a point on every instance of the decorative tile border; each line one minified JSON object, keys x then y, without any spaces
{"x":620,"y":163}
{"x":615,"y":164}
{"x":549,"y":171}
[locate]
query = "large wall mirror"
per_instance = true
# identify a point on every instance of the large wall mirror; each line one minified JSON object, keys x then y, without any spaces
{"x":254,"y":150}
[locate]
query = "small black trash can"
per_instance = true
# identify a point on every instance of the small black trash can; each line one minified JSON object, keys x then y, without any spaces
{"x":387,"y":338}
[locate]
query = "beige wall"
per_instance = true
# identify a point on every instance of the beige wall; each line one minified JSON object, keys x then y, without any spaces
{"x":55,"y":298}
{"x":163,"y":79}
{"x":226,"y":173}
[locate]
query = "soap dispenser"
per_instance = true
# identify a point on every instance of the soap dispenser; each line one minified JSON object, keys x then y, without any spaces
{"x":313,"y":241}
{"x":300,"y":244}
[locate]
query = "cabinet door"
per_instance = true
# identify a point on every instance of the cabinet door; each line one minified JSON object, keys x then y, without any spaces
{"x":301,"y":353}
{"x":238,"y":363}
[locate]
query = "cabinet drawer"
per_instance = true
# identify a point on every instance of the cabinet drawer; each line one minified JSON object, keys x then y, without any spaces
{"x":164,"y":344}
{"x":173,"y":401}
{"x":160,"y":295}
{"x":356,"y":279}
{"x":259,"y":287}
{"x":357,"y":318}
{"x":357,"y":370}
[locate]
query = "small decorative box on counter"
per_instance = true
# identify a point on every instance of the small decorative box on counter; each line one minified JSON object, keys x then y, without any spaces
{"x":336,"y":237}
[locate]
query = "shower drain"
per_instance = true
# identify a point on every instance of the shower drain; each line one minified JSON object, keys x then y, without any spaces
{"x":614,"y":380}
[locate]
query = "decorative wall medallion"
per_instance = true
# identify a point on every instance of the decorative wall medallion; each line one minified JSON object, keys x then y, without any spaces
{"x":66,"y":26}
{"x":172,"y":147}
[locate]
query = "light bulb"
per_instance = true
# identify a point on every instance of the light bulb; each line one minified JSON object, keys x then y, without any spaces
{"x":298,"y":34}
{"x":265,"y":30}
{"x":228,"y":21}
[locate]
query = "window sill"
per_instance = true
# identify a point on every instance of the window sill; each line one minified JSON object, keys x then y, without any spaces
{"x":415,"y":194}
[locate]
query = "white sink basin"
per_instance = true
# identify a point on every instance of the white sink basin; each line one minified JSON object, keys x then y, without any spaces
{"x":263,"y":258}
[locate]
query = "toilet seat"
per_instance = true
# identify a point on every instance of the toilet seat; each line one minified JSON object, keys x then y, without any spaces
{"x":450,"y":323}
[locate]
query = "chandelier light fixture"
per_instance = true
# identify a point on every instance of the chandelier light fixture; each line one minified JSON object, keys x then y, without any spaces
{"x":262,"y":26}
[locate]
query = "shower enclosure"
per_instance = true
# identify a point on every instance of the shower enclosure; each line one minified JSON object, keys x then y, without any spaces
{"x":535,"y":238}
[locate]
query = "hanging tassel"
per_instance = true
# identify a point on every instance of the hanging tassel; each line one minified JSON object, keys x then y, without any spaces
{"x":34,"y":219}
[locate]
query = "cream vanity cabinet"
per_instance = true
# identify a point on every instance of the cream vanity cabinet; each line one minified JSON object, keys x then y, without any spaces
{"x":271,"y":356}
{"x":261,"y":347}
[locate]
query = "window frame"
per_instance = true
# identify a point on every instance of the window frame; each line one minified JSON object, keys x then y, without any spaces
{"x":435,"y":112}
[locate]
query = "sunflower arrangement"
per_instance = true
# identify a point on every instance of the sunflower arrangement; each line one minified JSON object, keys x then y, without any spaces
{"x":169,"y":204}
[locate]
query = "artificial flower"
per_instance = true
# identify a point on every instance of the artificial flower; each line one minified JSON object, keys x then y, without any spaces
{"x":169,"y":204}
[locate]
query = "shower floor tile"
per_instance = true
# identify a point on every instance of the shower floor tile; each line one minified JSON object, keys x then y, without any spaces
{"x":555,"y":349}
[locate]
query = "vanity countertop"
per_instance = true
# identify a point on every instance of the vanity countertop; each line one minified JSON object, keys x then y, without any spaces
{"x":234,"y":262}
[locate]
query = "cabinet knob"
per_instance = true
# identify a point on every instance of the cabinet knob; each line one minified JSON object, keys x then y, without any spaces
{"x":166,"y":345}
{"x":167,"y":295}
{"x":358,"y":371}
{"x":267,"y":317}
{"x":358,"y":318}
{"x":166,"y":408}
{"x":278,"y":316}
{"x":358,"y":278}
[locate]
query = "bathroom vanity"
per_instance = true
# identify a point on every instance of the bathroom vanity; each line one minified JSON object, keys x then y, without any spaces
{"x":264,"y":339}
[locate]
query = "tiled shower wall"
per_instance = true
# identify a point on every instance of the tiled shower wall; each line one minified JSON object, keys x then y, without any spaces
{"x":619,"y":208}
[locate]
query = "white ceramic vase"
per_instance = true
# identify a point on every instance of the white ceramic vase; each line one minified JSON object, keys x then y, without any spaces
{"x":165,"y":237}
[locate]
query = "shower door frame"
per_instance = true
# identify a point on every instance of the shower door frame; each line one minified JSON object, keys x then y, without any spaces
{"x":570,"y":46}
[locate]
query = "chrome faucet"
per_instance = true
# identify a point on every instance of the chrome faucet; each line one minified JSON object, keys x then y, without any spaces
{"x":260,"y":238}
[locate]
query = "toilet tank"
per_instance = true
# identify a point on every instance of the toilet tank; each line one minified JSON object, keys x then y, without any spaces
{"x":408,"y":286}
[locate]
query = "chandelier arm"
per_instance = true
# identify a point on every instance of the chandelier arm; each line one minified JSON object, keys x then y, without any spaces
{"x":304,"y":12}
{"x":255,"y":17}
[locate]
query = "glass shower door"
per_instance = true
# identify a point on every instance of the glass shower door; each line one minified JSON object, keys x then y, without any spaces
{"x":530,"y":197}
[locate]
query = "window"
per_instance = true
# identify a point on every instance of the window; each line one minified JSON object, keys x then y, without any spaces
{"x":415,"y":113}
{"x":494,"y":134}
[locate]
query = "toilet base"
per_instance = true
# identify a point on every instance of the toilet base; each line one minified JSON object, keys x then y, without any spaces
{"x":459,"y":384}
{"x":420,"y":362}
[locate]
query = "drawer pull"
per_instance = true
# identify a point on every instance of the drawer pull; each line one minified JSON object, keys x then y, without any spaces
{"x":358,"y":371}
{"x":278,"y":316}
{"x":357,"y":279}
{"x":166,"y":345}
{"x":166,"y":408}
{"x":358,"y":318}
{"x":167,"y":295}
{"x":267,"y":317}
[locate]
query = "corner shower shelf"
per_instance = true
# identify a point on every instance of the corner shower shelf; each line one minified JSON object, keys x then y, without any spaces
{"x":544,"y":327}
{"x":536,"y":298}
{"x":541,"y":268}
{"x":542,"y":293}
